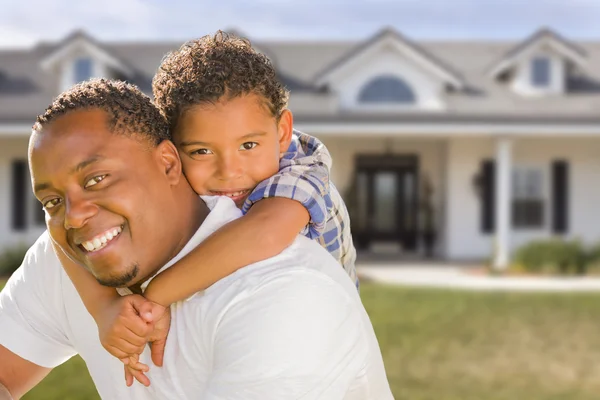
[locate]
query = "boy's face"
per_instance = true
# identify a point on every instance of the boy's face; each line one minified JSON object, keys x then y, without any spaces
{"x":229,"y":147}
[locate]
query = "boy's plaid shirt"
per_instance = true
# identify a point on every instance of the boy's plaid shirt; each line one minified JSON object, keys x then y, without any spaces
{"x":304,"y":176}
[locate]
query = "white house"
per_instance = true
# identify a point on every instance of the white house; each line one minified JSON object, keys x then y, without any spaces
{"x":500,"y":141}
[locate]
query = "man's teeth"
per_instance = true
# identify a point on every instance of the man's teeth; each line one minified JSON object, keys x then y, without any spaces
{"x":100,"y":241}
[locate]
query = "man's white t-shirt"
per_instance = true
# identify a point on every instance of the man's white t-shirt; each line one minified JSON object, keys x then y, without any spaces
{"x":290,"y":327}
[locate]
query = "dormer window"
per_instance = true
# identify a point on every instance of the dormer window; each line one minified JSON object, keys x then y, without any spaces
{"x":388,"y":90}
{"x":82,"y":69}
{"x":540,"y":72}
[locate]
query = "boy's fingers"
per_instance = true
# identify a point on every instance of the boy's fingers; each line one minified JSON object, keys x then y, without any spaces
{"x":139,"y":376}
{"x":130,"y":337}
{"x":139,"y":366}
{"x":127,"y":348}
{"x":128,"y":376}
{"x":134,"y":323}
{"x":116,"y":352}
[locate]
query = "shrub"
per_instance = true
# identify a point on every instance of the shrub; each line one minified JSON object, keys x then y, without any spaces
{"x":556,"y":256}
{"x":11,"y":259}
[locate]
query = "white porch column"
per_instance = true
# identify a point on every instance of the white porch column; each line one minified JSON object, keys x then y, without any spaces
{"x":503,"y":202}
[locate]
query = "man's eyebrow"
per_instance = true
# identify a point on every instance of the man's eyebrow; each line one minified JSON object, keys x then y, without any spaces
{"x":40,"y":186}
{"x":86,"y":162}
{"x":44,"y":185}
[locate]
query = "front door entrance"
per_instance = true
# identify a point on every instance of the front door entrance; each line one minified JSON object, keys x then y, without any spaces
{"x":386,"y":200}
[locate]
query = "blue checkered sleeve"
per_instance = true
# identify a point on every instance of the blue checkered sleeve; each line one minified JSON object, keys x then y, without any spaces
{"x":303,"y":176}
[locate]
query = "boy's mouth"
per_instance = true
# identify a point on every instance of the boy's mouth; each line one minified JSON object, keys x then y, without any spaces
{"x":236,"y":195}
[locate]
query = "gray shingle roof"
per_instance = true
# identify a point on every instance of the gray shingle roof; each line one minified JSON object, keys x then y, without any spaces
{"x":25,"y":89}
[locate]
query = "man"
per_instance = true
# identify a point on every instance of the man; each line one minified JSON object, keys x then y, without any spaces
{"x":291,"y":326}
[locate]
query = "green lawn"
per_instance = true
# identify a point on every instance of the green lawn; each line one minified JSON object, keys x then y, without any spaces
{"x":446,"y":345}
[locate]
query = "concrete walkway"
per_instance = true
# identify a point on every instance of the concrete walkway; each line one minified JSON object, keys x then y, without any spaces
{"x":457,"y":277}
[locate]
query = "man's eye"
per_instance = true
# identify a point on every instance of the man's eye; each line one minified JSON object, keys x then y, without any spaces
{"x":50,"y":204}
{"x":248,"y":145}
{"x":201,"y":152}
{"x":94,"y":181}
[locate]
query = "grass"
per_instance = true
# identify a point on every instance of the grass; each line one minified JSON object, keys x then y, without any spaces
{"x":451,"y":345}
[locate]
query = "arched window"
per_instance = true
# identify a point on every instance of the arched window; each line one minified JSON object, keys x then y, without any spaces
{"x":386,"y":89}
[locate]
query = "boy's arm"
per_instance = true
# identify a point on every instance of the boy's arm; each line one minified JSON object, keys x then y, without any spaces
{"x":268,"y":228}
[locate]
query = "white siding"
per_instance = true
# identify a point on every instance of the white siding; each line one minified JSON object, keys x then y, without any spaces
{"x":463,"y":230}
{"x":523,"y":79}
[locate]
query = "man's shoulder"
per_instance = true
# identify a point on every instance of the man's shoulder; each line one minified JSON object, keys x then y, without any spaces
{"x":40,"y":261}
{"x":304,"y":265}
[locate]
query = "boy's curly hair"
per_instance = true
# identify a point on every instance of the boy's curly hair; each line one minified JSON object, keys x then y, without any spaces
{"x":130,"y":111}
{"x":213,"y":67}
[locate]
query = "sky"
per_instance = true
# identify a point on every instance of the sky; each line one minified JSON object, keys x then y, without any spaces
{"x":25,"y":22}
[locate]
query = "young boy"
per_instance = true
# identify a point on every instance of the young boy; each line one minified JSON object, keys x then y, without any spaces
{"x":228,"y":117}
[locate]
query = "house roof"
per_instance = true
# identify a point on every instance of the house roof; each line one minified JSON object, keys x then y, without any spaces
{"x":567,"y":48}
{"x":26,"y":88}
{"x":442,"y":68}
{"x":79,"y":38}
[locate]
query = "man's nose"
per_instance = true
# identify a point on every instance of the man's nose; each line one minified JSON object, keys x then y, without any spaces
{"x":78,"y":211}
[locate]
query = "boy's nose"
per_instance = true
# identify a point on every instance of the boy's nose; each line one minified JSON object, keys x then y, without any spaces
{"x":229,"y":169}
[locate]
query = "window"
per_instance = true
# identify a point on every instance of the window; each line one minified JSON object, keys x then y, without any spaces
{"x":26,"y":210}
{"x":387,"y":89}
{"x":19,"y":195}
{"x":540,"y":72}
{"x":82,"y":69}
{"x":528,"y":198}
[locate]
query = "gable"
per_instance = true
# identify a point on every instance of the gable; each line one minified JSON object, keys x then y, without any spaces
{"x":386,"y":78}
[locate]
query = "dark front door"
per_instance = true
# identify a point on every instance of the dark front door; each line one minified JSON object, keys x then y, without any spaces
{"x":386,"y":200}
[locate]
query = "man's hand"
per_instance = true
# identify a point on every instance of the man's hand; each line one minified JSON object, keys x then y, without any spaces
{"x":158,"y":337}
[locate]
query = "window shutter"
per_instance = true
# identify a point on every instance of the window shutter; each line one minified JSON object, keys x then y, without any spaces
{"x":560,"y":196}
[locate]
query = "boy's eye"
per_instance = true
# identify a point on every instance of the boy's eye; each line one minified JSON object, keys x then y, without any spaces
{"x":248,"y":145}
{"x":94,"y":181}
{"x":201,"y":152}
{"x":50,"y":204}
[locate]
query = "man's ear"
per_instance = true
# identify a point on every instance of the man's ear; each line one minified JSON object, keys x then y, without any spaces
{"x":169,"y":161}
{"x":285,"y":126}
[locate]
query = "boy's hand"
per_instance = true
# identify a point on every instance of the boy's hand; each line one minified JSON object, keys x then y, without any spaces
{"x":122,"y":329}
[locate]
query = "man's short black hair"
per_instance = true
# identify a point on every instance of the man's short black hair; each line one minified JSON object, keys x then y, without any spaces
{"x":130,"y":111}
{"x":215,"y":67}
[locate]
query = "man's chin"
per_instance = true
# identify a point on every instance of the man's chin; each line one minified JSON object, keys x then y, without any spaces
{"x":125,"y":279}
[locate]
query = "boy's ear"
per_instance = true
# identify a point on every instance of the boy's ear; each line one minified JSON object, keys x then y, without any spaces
{"x":285,"y":128}
{"x":169,"y":161}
